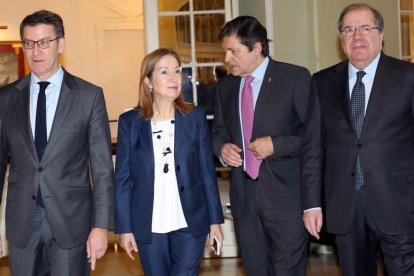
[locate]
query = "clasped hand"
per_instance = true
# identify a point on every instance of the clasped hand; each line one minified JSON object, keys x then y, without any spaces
{"x":262,"y":148}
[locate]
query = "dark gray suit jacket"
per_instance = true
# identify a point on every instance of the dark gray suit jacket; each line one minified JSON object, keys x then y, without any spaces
{"x":386,"y":148}
{"x":78,"y":153}
{"x":279,"y":113}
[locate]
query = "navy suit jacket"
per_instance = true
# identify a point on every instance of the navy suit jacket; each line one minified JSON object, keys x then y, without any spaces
{"x":194,"y":168}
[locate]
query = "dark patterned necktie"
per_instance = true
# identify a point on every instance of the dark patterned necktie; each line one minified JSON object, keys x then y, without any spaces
{"x":358,"y":114}
{"x":41,"y":129}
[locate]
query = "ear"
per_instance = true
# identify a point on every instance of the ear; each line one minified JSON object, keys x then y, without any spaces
{"x":257,"y":48}
{"x":148,"y":82}
{"x":61,"y":44}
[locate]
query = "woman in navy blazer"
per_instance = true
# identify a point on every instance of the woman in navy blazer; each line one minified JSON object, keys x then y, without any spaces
{"x":167,"y":199}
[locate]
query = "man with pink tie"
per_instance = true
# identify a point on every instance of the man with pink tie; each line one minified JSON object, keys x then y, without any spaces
{"x":259,"y":115}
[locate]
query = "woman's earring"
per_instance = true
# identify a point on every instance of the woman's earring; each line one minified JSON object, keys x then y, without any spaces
{"x":150,"y":89}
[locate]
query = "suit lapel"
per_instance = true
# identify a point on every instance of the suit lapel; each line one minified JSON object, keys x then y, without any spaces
{"x":67,"y":98}
{"x":378,"y":91}
{"x":266,"y":91}
{"x":21,"y":109}
{"x":341,"y":85}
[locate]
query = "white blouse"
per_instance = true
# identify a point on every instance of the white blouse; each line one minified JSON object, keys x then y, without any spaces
{"x":167,"y":212}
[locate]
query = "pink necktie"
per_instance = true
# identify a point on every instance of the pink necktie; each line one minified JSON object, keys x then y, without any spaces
{"x":247,"y":113}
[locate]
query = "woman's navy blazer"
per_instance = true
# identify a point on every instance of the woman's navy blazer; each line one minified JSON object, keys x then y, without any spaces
{"x":194,"y":168}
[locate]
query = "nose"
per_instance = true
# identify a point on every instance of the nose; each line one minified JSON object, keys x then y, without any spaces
{"x":172,"y":77}
{"x":357,"y":33}
{"x":36,"y":49}
{"x":228,"y":56}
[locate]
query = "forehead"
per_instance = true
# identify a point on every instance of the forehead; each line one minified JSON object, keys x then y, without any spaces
{"x":231,"y":42}
{"x":167,"y":61}
{"x":38,"y":31}
{"x":361,"y":16}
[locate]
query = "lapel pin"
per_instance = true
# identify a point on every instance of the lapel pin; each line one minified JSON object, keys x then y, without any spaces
{"x":269,"y":80}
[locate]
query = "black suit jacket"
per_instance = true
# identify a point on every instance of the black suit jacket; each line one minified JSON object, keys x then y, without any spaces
{"x":78,"y":152}
{"x":386,"y":148}
{"x":279,"y":113}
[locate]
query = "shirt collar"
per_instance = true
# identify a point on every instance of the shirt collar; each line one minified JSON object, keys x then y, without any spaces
{"x":369,"y":70}
{"x":260,"y":71}
{"x":55,"y":79}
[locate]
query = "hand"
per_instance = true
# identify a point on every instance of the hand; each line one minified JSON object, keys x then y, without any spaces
{"x":128,"y":243}
{"x":313,"y":222}
{"x":215,"y":231}
{"x":262,"y":147}
{"x":96,"y":245}
{"x":231,"y":155}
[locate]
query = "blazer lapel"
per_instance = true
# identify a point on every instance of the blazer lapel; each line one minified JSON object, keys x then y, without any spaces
{"x":21,"y":110}
{"x":179,"y":133}
{"x":145,"y":135}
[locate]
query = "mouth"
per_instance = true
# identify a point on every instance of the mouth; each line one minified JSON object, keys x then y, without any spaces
{"x":358,"y":46}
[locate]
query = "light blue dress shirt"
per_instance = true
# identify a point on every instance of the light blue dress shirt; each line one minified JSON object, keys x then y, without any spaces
{"x":52,"y":97}
{"x":256,"y":84}
{"x":368,"y":78}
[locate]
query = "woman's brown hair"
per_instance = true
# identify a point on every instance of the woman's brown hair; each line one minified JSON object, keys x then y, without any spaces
{"x":146,"y":97}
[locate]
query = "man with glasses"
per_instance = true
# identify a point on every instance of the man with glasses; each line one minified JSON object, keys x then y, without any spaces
{"x":54,"y":129}
{"x":358,"y":145}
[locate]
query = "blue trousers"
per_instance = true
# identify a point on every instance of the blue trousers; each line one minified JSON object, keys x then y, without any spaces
{"x":172,"y":254}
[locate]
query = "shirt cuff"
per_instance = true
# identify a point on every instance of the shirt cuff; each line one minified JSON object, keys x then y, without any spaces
{"x":224,"y":164}
{"x":313,"y":209}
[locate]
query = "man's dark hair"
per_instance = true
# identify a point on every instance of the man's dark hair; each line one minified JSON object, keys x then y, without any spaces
{"x":248,"y":31}
{"x":44,"y":17}
{"x":379,"y":20}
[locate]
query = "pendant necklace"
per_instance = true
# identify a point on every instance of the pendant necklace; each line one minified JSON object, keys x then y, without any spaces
{"x":164,"y":136}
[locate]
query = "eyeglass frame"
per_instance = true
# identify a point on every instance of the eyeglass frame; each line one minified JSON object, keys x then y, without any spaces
{"x":350,"y":31}
{"x":37,"y":42}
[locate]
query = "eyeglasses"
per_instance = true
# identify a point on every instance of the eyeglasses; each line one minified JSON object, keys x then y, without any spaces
{"x":43,"y":43}
{"x":364,"y":30}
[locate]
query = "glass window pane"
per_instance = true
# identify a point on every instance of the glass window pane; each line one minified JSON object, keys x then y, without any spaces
{"x":407,"y":5}
{"x":174,"y":33}
{"x":172,"y":6}
{"x":204,"y":5}
{"x":207,"y":78}
{"x":407,"y":35}
{"x":187,"y":85}
{"x":208,"y":46}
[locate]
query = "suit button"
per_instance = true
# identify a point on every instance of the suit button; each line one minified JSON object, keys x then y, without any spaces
{"x":182,"y":189}
{"x":352,"y":173}
{"x":359,"y":146}
{"x":177,"y":168}
{"x":33,"y":197}
{"x":40,"y":169}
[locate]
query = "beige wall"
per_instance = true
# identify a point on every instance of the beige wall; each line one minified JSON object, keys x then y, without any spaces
{"x":305,"y":31}
{"x":105,"y":43}
{"x":105,"y":38}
